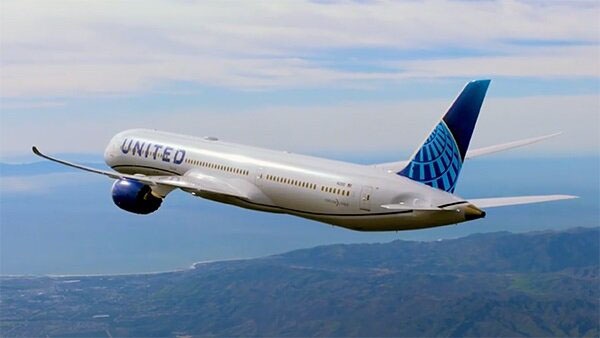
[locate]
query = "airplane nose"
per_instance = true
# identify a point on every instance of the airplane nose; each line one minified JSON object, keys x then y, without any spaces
{"x":109,"y":155}
{"x":472,"y":212}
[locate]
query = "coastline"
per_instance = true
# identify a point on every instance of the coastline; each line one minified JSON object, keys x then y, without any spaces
{"x":192,"y":266}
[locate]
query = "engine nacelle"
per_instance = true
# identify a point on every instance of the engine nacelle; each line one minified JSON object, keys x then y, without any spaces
{"x":135,"y":197}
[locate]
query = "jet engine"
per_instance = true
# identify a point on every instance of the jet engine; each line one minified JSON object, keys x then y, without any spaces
{"x":134,"y":196}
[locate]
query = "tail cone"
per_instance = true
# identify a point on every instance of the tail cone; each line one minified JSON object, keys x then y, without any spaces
{"x":472,"y":212}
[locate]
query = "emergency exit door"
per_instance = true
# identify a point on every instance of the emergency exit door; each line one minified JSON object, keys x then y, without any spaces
{"x":365,"y":198}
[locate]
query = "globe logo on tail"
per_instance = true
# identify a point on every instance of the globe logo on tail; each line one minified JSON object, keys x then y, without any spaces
{"x":438,"y":161}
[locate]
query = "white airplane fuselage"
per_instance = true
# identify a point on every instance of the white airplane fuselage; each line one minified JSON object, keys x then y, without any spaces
{"x":402,"y":195}
{"x":334,"y":192}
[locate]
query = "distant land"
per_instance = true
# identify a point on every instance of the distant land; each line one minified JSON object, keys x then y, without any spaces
{"x":494,"y":284}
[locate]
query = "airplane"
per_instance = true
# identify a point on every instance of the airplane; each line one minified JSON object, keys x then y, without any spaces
{"x":404,"y":195}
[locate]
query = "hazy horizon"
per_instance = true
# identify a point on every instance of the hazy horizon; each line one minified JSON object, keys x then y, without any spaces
{"x":55,"y":220}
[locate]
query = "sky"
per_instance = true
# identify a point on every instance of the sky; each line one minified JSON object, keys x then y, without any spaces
{"x":333,"y":78}
{"x":362,"y":81}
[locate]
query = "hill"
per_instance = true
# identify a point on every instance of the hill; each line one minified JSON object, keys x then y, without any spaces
{"x":496,"y":284}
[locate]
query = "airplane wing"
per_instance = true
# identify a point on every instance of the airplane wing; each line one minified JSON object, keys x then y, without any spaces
{"x":505,"y":146}
{"x":192,"y":181}
{"x":399,"y":165}
{"x":506,"y":201}
{"x":485,"y":202}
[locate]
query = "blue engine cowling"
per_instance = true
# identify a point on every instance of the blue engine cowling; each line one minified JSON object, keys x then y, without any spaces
{"x":135,"y":197}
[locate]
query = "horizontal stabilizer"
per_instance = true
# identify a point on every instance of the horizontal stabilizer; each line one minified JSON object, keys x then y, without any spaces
{"x":506,"y":146}
{"x":399,"y":165}
{"x":505,"y":201}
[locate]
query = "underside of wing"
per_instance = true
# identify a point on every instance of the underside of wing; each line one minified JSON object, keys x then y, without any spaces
{"x":506,"y":201}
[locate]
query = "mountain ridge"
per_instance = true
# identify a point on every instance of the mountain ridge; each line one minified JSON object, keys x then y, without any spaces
{"x":542,"y":284}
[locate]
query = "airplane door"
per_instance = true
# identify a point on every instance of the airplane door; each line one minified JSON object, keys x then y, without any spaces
{"x":365,"y":198}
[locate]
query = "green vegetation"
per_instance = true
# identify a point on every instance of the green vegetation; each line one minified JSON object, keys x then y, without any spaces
{"x":500,"y":284}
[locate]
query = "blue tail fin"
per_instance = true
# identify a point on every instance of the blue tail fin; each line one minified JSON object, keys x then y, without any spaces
{"x":438,"y":161}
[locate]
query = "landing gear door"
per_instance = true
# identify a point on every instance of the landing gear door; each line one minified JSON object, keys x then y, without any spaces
{"x":365,"y":198}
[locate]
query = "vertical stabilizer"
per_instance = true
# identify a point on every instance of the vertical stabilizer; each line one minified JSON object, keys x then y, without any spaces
{"x":438,"y":161}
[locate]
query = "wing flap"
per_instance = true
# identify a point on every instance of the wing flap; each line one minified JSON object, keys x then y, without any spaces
{"x":506,"y":201}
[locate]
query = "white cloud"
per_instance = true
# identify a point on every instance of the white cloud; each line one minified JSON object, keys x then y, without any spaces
{"x":542,"y":63}
{"x":69,"y":48}
{"x":359,"y":128}
{"x":42,"y":184}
